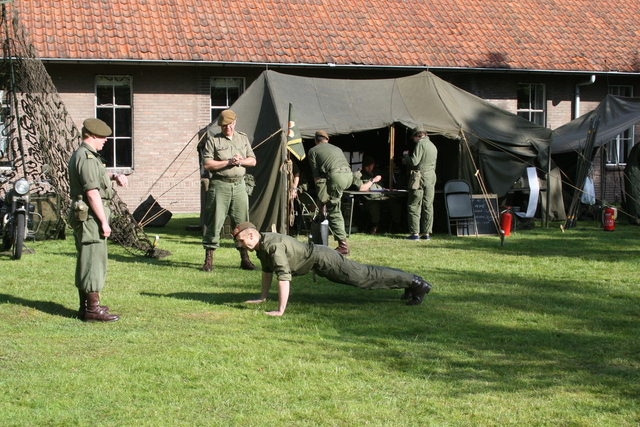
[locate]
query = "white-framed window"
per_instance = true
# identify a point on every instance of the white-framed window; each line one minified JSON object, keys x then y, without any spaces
{"x":224,"y":92}
{"x":114,"y":107}
{"x":531,"y":102}
{"x":618,"y":148}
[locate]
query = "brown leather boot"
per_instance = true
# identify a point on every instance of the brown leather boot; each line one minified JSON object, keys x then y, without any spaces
{"x":245,"y":262}
{"x":208,"y":260}
{"x":83,"y":305}
{"x":342,"y":247}
{"x":93,"y":312}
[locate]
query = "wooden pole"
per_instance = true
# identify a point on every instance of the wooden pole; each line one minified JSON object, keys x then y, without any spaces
{"x":392,"y":149}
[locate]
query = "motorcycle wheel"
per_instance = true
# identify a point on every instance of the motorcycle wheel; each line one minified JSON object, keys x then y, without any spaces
{"x":18,"y":237}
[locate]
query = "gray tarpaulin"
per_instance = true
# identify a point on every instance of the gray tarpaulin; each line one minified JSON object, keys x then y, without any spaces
{"x":617,"y":114}
{"x":504,"y":144}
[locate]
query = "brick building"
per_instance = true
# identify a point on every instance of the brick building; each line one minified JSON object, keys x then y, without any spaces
{"x":163,"y":69}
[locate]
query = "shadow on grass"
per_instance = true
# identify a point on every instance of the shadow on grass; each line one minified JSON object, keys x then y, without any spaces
{"x":514,"y":334}
{"x":206,"y":297}
{"x":48,"y":307}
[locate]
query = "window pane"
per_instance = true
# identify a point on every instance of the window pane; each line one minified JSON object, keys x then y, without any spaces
{"x":124,"y":153}
{"x":104,"y":95}
{"x":123,"y":95}
{"x":219,"y":97}
{"x":106,"y":115}
{"x":123,"y":122}
{"x":523,"y":97}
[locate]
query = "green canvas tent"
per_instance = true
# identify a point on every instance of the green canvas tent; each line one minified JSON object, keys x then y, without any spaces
{"x":503,"y":143}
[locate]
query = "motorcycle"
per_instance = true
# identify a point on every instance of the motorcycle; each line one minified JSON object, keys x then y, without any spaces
{"x":16,"y":214}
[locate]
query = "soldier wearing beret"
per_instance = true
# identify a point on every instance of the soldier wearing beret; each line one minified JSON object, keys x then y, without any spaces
{"x":422,"y":164}
{"x":225,"y":156}
{"x":91,"y":191}
{"x":286,"y":257}
{"x":332,"y":175}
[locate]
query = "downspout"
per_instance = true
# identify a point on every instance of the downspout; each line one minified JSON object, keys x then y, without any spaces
{"x":576,"y":102}
{"x":576,"y":114}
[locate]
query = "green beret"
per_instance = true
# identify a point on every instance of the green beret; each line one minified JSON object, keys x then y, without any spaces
{"x":322,"y":133}
{"x":96,"y":127}
{"x":226,"y":117}
{"x":241,"y":227}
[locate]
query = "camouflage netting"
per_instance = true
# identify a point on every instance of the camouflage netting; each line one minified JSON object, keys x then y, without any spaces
{"x":39,"y":131}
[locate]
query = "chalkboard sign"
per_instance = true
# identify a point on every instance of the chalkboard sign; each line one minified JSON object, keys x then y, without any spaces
{"x":484,"y":220}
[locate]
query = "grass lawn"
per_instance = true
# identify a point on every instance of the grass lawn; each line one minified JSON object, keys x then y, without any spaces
{"x":541,"y":332}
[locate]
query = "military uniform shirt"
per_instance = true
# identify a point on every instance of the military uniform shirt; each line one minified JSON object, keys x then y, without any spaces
{"x":88,"y":172}
{"x":424,"y":156}
{"x":285,"y":256}
{"x":219,"y":147}
{"x":325,"y":158}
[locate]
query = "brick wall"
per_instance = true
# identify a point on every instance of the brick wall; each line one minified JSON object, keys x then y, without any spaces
{"x":171,"y":103}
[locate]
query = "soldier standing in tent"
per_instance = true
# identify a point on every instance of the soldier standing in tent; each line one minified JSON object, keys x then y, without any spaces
{"x":89,"y":181}
{"x":226,"y":155}
{"x":332,"y":175}
{"x":421,"y":185}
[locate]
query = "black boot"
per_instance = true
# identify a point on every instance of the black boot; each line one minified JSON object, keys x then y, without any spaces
{"x":406,"y":295}
{"x":94,"y":313}
{"x":245,"y":262}
{"x":208,"y":260}
{"x":418,"y":289}
{"x":83,"y":304}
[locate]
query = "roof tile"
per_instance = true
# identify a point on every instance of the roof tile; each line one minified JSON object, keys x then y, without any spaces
{"x":575,"y":35}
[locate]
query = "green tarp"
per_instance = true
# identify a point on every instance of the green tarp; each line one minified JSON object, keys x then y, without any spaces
{"x":504,"y":143}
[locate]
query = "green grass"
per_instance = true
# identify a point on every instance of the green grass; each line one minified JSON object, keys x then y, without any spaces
{"x":541,"y":332}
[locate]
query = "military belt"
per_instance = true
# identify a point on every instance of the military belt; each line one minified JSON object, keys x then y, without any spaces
{"x":229,"y":180}
{"x":340,"y":170}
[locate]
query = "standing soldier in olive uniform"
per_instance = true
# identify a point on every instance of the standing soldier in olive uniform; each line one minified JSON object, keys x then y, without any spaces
{"x":286,"y":257}
{"x":226,"y":155}
{"x":423,"y":177}
{"x":90,"y":181}
{"x":332,"y":175}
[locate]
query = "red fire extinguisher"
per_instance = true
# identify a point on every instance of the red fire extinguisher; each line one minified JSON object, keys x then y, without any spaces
{"x":505,"y":221}
{"x":609,"y":218}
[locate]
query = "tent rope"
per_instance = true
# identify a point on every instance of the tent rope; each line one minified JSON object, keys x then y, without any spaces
{"x":483,"y":188}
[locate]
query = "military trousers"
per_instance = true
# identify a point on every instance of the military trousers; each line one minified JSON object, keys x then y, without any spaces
{"x":335,"y":267}
{"x":336,"y":184}
{"x":224,"y":198}
{"x":420,"y":205}
{"x":91,"y":263}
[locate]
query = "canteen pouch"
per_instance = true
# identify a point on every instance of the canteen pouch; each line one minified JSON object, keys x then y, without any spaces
{"x":414,"y":180}
{"x":80,"y":210}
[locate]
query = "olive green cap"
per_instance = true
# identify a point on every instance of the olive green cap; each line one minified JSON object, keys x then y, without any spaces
{"x":96,"y":127}
{"x":226,"y":117}
{"x":322,"y":133}
{"x":240,"y":228}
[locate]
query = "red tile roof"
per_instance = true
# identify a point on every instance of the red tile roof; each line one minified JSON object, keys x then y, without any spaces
{"x":556,"y":35}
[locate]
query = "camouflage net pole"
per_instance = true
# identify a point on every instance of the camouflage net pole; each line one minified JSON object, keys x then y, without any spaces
{"x":39,"y":131}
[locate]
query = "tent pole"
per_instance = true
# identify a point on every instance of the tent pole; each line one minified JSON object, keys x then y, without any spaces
{"x":548,"y":209}
{"x":392,"y":149}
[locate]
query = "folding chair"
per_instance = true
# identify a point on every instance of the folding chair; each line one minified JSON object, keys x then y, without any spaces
{"x":457,"y":198}
{"x":309,"y":210}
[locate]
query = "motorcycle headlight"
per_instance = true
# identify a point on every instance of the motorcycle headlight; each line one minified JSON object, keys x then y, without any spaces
{"x":21,"y":186}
